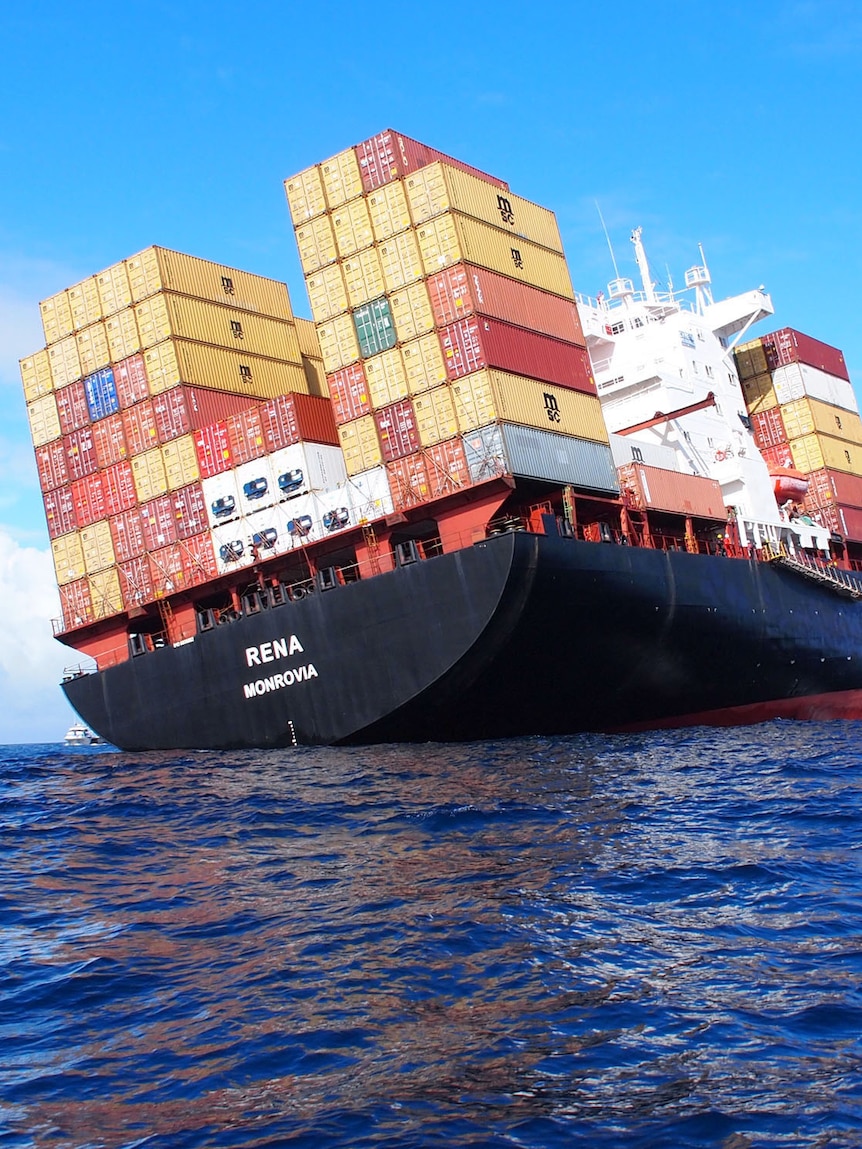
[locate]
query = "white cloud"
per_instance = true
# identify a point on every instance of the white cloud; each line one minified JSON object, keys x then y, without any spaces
{"x":31,"y":660}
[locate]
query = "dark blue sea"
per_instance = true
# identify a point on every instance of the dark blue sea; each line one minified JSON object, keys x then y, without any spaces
{"x":647,"y":940}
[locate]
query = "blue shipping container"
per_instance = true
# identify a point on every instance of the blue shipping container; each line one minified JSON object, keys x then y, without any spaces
{"x":102,"y":399}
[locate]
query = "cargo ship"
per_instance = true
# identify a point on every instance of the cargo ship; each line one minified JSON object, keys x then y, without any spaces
{"x":462,"y":502}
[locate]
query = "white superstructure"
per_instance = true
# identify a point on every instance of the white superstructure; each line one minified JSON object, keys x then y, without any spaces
{"x":657,"y":352}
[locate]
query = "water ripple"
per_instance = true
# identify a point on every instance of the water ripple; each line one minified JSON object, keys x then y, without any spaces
{"x":649,"y":940}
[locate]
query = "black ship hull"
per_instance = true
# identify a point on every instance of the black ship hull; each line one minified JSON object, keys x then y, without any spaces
{"x":522,"y":634}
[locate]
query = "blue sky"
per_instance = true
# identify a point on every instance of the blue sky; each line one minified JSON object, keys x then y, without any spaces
{"x":732,"y":125}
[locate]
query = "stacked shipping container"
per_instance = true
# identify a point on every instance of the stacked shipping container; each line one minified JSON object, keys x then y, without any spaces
{"x":156,"y":374}
{"x":447,"y":325}
{"x":804,"y":416}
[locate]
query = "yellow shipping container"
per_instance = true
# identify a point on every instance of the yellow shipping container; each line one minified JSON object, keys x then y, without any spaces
{"x":338,"y":343}
{"x":93,"y":348}
{"x":386,"y":379}
{"x":315,"y":376}
{"x":759,"y":394}
{"x":326,"y":292}
{"x":44,"y":420}
{"x":363,"y":277}
{"x":105,"y":594}
{"x":423,"y":363}
{"x":805,"y":416}
{"x":148,"y":473}
{"x":115,"y":292}
{"x":167,"y":314}
{"x":486,"y":396}
{"x":351,"y":225}
{"x":68,"y":556}
{"x":400,"y":260}
{"x":316,"y":243}
{"x":411,"y":311}
{"x":56,"y":317}
{"x":305,"y":197}
{"x":182,"y":361}
{"x":437,"y":188}
{"x":342,"y":180}
{"x":751,"y":359}
{"x":306,"y":333}
{"x":85,"y":303}
{"x":65,"y":361}
{"x":97,"y":547}
{"x":452,"y":237}
{"x":181,"y":462}
{"x":812,"y":452}
{"x":159,"y":269}
{"x":36,"y":375}
{"x":387,"y":207}
{"x":122,"y":332}
{"x":360,"y":444}
{"x":435,"y":416}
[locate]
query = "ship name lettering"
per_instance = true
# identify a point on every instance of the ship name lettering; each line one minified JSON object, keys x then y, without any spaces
{"x":270,"y":651}
{"x":279,"y":681}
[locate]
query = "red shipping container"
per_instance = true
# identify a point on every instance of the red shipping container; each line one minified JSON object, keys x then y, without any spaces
{"x":396,"y":426}
{"x":408,"y":481}
{"x":348,"y":390}
{"x":658,"y":489}
{"x":158,"y":523}
{"x":199,"y":562}
{"x":479,"y":341}
{"x":60,"y":512}
{"x":826,"y":487}
{"x":109,"y":440}
{"x":295,"y":418}
{"x":80,"y":453}
{"x":447,"y":467}
{"x":72,"y":407}
{"x":768,"y":428}
{"x":844,"y":521}
{"x":166,"y":570}
{"x":130,"y":379}
{"x":51,"y":465}
{"x":139,"y":427}
{"x":136,"y":582}
{"x":88,"y":499}
{"x":389,"y":155}
{"x":851,"y":523}
{"x":790,"y":346}
{"x":212,"y":447}
{"x":76,"y":603}
{"x":127,"y":534}
{"x":778,"y":456}
{"x":245,"y":435}
{"x":182,"y":409}
{"x":118,"y":486}
{"x":464,"y":290}
{"x":190,"y":512}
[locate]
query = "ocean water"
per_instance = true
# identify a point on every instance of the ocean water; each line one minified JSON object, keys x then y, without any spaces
{"x":641,"y":940}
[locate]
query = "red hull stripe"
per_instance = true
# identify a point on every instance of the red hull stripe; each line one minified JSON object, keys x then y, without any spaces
{"x":844,"y":705}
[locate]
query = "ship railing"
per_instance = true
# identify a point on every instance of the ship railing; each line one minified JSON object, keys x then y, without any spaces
{"x":79,"y":670}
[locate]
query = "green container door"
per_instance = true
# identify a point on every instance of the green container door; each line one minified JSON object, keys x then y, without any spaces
{"x":374,"y":327}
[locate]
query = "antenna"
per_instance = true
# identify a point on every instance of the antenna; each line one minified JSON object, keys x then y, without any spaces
{"x":608,"y":238}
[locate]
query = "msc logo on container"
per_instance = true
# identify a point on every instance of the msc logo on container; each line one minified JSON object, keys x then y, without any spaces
{"x":552,"y":407}
{"x":506,"y":213}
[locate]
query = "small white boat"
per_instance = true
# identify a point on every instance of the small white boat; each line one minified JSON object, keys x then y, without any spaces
{"x":80,"y":735}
